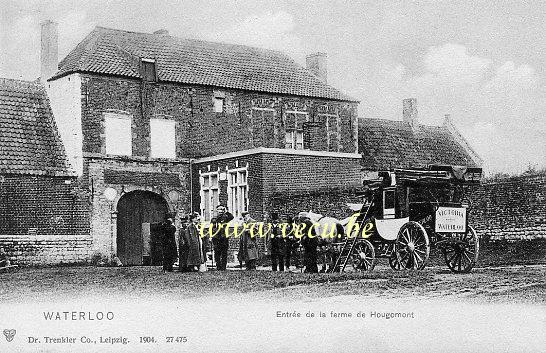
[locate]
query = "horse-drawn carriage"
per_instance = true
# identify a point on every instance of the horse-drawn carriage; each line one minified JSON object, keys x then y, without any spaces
{"x":412,"y":212}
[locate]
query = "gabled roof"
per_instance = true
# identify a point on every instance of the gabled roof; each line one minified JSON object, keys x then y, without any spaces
{"x":115,"y":52}
{"x":29,"y":141}
{"x":386,"y":144}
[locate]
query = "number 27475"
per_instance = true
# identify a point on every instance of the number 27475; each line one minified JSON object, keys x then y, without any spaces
{"x":176,"y":339}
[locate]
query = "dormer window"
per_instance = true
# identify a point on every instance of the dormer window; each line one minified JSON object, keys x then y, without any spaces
{"x":148,"y":70}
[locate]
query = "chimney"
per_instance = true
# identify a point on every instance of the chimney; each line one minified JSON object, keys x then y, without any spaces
{"x":49,"y":55}
{"x":316,"y":63}
{"x":409,"y":112}
{"x":162,"y":32}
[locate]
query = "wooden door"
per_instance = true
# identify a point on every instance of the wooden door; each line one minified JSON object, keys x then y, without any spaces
{"x":134,"y":209}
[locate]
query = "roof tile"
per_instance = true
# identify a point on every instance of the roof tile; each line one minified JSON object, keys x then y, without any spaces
{"x":29,"y":141}
{"x":190,"y":61}
{"x":386,"y":144}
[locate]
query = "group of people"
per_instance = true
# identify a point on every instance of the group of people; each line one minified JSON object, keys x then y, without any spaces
{"x":192,"y":247}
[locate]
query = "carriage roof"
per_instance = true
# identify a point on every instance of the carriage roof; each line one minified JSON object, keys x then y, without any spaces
{"x":431,"y":176}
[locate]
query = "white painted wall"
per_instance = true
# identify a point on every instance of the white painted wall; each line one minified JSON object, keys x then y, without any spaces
{"x":65,"y":99}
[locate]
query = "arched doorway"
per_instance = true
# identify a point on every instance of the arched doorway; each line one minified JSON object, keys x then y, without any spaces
{"x":139,"y":213}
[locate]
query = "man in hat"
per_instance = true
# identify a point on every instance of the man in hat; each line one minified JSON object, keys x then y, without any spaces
{"x":182,"y":244}
{"x":309,"y":241}
{"x":168,"y":244}
{"x":220,"y":242}
{"x":277,"y":244}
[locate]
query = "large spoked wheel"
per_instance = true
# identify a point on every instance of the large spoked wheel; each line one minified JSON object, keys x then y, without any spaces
{"x":363,"y":256}
{"x":462,"y":255}
{"x":412,"y":247}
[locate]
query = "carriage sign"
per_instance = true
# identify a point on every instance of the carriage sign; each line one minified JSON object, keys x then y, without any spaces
{"x":451,"y":219}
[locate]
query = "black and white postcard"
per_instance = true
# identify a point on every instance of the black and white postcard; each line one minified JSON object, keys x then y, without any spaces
{"x":272,"y":176}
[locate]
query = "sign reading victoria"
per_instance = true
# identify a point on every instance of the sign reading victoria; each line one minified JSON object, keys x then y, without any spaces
{"x":451,"y":219}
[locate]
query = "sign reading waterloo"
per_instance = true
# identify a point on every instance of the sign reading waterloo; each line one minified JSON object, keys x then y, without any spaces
{"x":451,"y":219}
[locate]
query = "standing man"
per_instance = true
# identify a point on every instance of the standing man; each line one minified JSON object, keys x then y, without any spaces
{"x":220,"y":242}
{"x":309,"y":242}
{"x":194,"y":257}
{"x":278,"y":244}
{"x":248,"y":244}
{"x":168,"y":244}
{"x":183,"y":245}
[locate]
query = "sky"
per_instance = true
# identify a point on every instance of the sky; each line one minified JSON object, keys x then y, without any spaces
{"x":482,"y":62}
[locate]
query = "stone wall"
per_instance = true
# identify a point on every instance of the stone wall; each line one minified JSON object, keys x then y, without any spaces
{"x":168,"y":179}
{"x":47,"y":249}
{"x":511,"y":209}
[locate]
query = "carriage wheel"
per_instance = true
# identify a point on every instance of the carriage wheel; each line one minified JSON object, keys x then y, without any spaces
{"x":412,"y":246}
{"x":363,"y":256}
{"x":393,"y":262}
{"x":461,"y":257}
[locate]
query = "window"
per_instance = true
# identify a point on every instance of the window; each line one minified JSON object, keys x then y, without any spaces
{"x":218,"y":105}
{"x":117,"y":128}
{"x":162,"y":138}
{"x":237,"y":191}
{"x":218,"y":100}
{"x":294,"y":140}
{"x":389,"y":200}
{"x":209,"y":194}
{"x":294,"y":122}
{"x":148,"y":70}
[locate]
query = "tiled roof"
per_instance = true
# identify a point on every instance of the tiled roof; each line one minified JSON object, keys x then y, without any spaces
{"x":29,"y":141}
{"x":386,"y":144}
{"x":190,"y":61}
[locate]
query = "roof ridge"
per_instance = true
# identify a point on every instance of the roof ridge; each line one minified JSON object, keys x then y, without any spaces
{"x":21,"y":82}
{"x":400,"y":121}
{"x":195,"y":40}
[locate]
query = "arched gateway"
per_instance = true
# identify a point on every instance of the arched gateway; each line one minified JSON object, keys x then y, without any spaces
{"x":139,"y":214}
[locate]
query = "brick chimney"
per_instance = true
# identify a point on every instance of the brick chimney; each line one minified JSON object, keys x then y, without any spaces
{"x":162,"y":32}
{"x":317,"y":64}
{"x":409,"y":112}
{"x":49,"y":55}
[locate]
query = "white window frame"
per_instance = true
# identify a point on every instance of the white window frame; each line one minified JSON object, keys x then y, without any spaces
{"x":296,"y":133}
{"x":389,"y":213}
{"x":162,"y":135}
{"x":293,"y":141}
{"x":238,"y":199}
{"x":208,"y":195}
{"x":127,"y":148}
{"x":328,"y":132}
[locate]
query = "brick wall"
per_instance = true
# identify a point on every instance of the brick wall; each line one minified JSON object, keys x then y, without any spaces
{"x":201,"y":131}
{"x":511,"y":209}
{"x":272,"y":175}
{"x":329,"y":202}
{"x":42,"y":205}
{"x":44,"y":220}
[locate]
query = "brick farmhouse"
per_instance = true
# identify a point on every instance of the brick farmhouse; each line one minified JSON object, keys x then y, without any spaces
{"x":144,"y":125}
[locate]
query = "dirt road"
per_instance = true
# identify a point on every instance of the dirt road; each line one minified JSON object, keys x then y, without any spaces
{"x":525,"y":284}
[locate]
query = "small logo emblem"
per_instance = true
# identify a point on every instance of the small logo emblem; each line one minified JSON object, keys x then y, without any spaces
{"x":9,"y":334}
